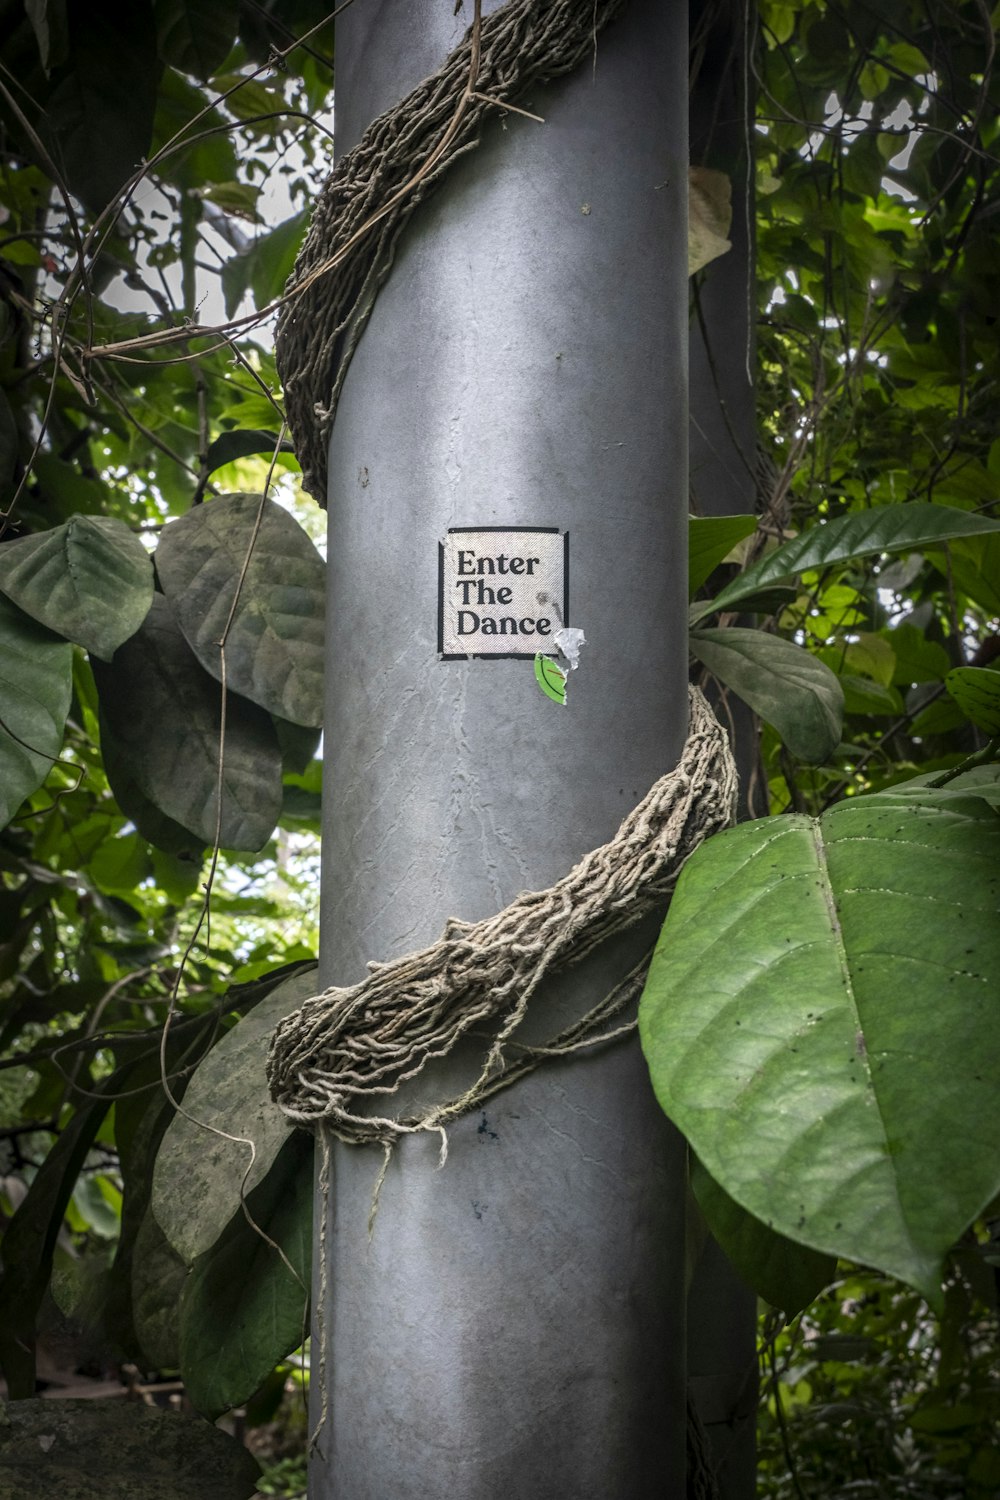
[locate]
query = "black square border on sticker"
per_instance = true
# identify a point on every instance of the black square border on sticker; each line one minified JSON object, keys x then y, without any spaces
{"x":496,"y":655}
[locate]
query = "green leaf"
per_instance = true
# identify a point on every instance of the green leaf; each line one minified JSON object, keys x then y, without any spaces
{"x":891,"y":528}
{"x":274,"y":649}
{"x":819,"y":1020}
{"x":550,"y":678}
{"x":793,"y":691}
{"x":252,"y":97}
{"x":180,"y":111}
{"x":243,"y":1309}
{"x":147,"y":1277}
{"x":65,"y":491}
{"x":157,"y":1277}
{"x":194,"y":37}
{"x":787,"y":1275}
{"x":766,"y":602}
{"x":917,"y":658}
{"x":93,"y":1450}
{"x":36,"y":671}
{"x":710,"y":540}
{"x":90,"y":580}
{"x":199,"y":1175}
{"x":863,"y":696}
{"x":976,"y":690}
{"x":163,"y":715}
{"x":237,"y":198}
{"x":241,"y":443}
{"x":120,"y":864}
{"x":983,"y":781}
{"x":179,"y":843}
{"x":940,"y":717}
{"x":265,"y":267}
{"x":298,"y":745}
{"x":975,"y":569}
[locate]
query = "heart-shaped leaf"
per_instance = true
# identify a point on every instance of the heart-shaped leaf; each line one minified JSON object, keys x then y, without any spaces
{"x":793,"y":690}
{"x":199,"y":1174}
{"x":90,"y":580}
{"x":820,"y":1020}
{"x":243,"y":1309}
{"x":274,"y":649}
{"x":36,"y":671}
{"x":163,"y":714}
{"x":787,"y":1275}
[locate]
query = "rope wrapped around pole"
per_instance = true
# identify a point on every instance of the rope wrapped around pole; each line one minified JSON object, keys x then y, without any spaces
{"x":369,"y":197}
{"x":347,"y":1049}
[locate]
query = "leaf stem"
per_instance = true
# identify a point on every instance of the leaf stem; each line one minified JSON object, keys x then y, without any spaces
{"x":981,"y":758}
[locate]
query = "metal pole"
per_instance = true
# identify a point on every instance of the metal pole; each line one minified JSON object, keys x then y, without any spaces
{"x":515,"y":1326}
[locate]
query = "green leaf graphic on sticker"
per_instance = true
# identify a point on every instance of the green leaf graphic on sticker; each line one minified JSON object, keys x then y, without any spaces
{"x":550,"y":678}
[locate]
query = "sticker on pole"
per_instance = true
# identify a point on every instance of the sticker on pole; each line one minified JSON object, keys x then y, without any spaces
{"x":502,"y":591}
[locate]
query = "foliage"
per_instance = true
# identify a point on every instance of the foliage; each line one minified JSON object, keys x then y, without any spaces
{"x":161,"y":624}
{"x":818,"y":1013}
{"x":160,"y":686}
{"x":868,"y":1394}
{"x":817,"y":1021}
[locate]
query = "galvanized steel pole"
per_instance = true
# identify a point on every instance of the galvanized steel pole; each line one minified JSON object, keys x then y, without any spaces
{"x":515,"y":1325}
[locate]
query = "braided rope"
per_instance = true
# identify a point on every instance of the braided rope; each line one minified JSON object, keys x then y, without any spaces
{"x":345,"y":1049}
{"x":374,"y":188}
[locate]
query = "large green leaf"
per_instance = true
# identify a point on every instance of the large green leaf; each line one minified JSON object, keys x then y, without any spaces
{"x":154,"y":826}
{"x":274,"y":650}
{"x":868,"y":533}
{"x":147,"y":1277}
{"x":156,"y":1277}
{"x":787,"y":1275}
{"x":90,"y":580}
{"x":710,"y":540}
{"x":36,"y":673}
{"x":101,"y":1450}
{"x":163,"y":713}
{"x":243,"y":1309}
{"x":820,"y":1020}
{"x":199,"y":1175}
{"x":791,"y":689}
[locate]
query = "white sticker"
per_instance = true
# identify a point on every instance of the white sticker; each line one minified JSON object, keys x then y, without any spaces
{"x":502,"y":591}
